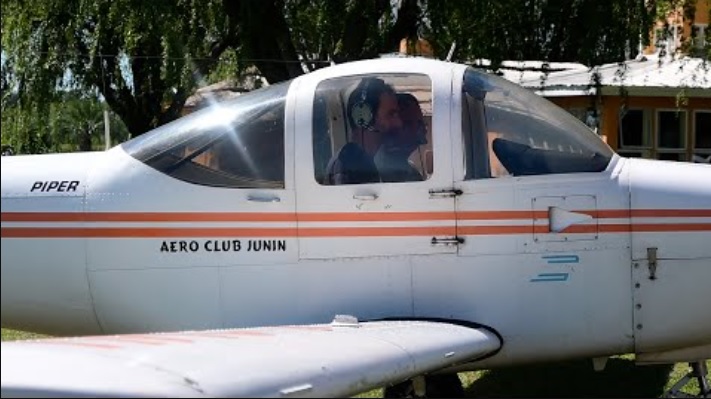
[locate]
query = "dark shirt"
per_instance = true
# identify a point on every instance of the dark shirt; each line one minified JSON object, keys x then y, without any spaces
{"x":352,"y":165}
{"x":394,"y":165}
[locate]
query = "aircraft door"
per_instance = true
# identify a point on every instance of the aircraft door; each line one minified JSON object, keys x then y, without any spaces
{"x":365,"y":189}
{"x":533,"y":257}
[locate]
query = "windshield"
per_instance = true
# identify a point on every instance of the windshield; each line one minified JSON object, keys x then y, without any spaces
{"x":524,"y":134}
{"x":238,"y":143}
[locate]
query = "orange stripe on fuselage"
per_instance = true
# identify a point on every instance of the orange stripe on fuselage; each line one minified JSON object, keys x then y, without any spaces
{"x":500,"y":215}
{"x":336,"y":231}
{"x":141,"y":232}
{"x":67,"y":342}
{"x":374,"y":216}
{"x":499,"y":230}
{"x":672,"y":228}
{"x":377,"y":231}
{"x":671,"y":213}
{"x":315,"y":232}
{"x":163,"y":217}
{"x":148,"y":232}
{"x":158,"y":217}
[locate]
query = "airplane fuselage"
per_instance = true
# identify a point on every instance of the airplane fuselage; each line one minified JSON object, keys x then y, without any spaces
{"x":561,"y":265}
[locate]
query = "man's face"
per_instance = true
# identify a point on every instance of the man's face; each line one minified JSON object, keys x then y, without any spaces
{"x":388,"y":116}
{"x":413,"y":130}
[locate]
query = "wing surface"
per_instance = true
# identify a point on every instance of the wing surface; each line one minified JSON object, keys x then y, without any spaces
{"x":326,"y":360}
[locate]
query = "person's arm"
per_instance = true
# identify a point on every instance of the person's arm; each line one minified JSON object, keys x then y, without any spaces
{"x":337,"y":173}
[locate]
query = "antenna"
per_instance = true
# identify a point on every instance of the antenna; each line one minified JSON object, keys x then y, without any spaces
{"x":451,"y":51}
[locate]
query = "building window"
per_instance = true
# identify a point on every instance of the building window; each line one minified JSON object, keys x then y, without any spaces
{"x":589,"y":116}
{"x":667,"y":39}
{"x":666,"y":134}
{"x":635,"y":134}
{"x":702,"y":137}
{"x":698,"y":36}
{"x":671,"y":135}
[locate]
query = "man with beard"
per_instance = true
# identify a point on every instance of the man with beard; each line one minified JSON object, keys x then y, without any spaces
{"x":372,"y":114}
{"x":393,"y":157}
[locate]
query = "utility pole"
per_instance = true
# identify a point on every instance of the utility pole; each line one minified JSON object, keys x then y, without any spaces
{"x":107,"y":130}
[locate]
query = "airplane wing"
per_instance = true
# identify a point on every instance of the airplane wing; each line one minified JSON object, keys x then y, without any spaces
{"x":327,"y":360}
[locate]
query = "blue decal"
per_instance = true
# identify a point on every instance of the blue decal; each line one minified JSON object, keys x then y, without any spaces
{"x":553,"y":259}
{"x":550,"y":277}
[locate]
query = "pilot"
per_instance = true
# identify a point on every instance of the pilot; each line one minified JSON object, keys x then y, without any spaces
{"x":372,"y":114}
{"x":393,"y":157}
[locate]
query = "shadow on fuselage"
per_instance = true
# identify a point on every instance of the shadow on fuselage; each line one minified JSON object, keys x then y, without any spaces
{"x":620,"y":379}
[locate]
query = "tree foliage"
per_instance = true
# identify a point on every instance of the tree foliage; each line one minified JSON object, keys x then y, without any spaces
{"x":73,"y":122}
{"x":586,"y":31}
{"x":145,"y":58}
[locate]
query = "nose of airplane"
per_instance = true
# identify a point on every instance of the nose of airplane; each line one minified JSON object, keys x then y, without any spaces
{"x":43,"y":279}
{"x":671,"y":232}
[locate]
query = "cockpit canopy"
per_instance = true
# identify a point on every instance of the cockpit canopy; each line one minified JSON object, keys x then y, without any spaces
{"x":238,"y":144}
{"x":506,"y":131}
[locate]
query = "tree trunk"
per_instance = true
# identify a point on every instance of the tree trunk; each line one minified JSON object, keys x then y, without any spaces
{"x":85,"y":140}
{"x":264,"y":34}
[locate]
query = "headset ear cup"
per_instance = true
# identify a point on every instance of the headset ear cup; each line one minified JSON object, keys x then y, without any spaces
{"x":362,"y":115}
{"x":361,"y":111}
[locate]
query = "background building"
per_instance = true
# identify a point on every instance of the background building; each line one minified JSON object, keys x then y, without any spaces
{"x":657,"y":105}
{"x":650,"y":107}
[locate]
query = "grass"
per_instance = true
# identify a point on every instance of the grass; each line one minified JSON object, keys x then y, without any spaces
{"x":12,"y":335}
{"x":573,"y":379}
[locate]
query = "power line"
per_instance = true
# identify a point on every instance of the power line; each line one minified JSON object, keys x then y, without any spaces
{"x":162,"y":57}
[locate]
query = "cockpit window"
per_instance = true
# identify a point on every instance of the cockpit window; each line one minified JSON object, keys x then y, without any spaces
{"x":373,"y":129}
{"x":237,"y":144}
{"x":510,"y":131}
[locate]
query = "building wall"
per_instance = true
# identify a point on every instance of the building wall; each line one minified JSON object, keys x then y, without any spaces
{"x":691,"y":142}
{"x":685,"y":29}
{"x":702,"y":11}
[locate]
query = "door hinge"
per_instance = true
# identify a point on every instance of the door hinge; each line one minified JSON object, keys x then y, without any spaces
{"x":652,"y":262}
{"x":446,"y":193}
{"x":447,"y":240}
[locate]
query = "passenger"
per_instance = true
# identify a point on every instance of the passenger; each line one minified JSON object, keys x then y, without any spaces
{"x":393,"y":158}
{"x":372,"y":114}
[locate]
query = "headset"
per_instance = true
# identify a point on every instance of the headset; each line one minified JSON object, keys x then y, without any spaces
{"x":361,"y":112}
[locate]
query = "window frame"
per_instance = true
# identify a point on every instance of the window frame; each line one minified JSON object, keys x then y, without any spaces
{"x":647,"y":132}
{"x":390,"y":77}
{"x":694,"y":150}
{"x":699,"y":40}
{"x":683,"y":150}
{"x":173,"y":149}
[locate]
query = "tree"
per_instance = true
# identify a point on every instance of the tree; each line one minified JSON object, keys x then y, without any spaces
{"x":73,"y":122}
{"x":283,"y":38}
{"x":587,"y":31}
{"x":26,"y":130}
{"x":144,"y":58}
{"x":77,"y":123}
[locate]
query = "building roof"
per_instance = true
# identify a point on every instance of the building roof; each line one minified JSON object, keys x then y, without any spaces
{"x":648,"y":75}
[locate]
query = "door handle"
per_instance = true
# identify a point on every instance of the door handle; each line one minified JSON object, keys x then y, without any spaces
{"x":365,"y":197}
{"x":447,"y":240}
{"x":257,"y":198}
{"x":446,"y":193}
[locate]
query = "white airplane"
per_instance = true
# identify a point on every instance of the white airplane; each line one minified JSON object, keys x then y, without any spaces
{"x":256,"y":248}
